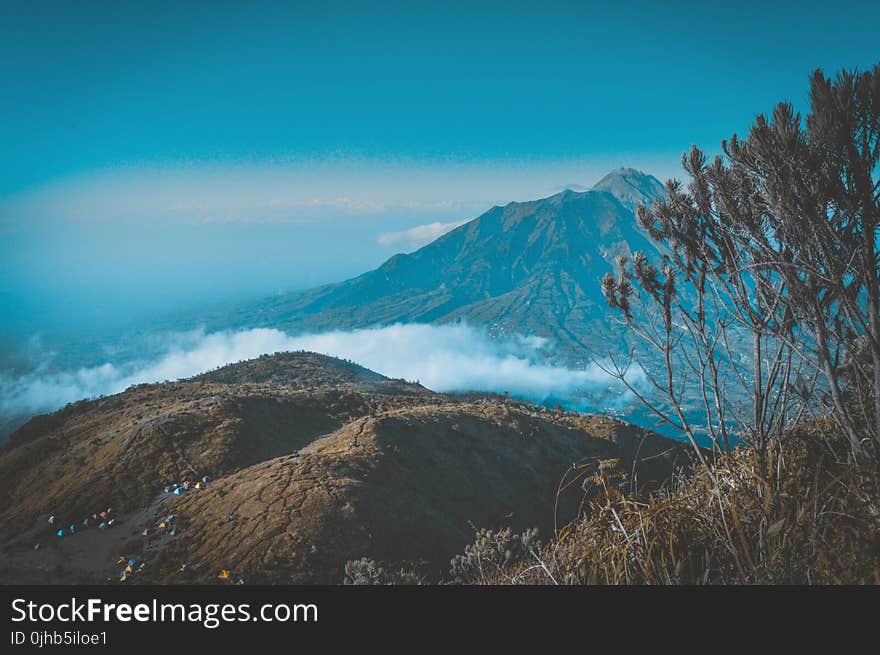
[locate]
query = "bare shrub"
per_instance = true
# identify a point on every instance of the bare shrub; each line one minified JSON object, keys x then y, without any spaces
{"x":366,"y":571}
{"x":492,"y":553}
{"x":799,"y":515}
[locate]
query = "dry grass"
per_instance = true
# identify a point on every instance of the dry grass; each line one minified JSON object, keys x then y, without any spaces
{"x":797,"y":515}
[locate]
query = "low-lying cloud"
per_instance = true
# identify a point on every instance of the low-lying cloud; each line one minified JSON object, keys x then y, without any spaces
{"x":417,"y":236}
{"x":443,"y":358}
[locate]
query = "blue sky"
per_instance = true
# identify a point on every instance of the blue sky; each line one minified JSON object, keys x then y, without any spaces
{"x":157,"y":156}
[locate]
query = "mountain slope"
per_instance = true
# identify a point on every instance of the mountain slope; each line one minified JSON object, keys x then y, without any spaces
{"x":631,"y":187}
{"x":310,"y":461}
{"x":116,"y":450}
{"x":528,"y":267}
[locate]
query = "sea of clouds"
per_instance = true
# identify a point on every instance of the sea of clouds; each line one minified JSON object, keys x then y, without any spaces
{"x":443,"y":358}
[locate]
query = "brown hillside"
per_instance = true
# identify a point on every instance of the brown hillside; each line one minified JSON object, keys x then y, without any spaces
{"x":303,"y":476}
{"x":118,"y":451}
{"x":407,"y":485}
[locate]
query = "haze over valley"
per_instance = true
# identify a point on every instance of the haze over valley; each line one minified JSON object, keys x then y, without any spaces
{"x":508,"y":302}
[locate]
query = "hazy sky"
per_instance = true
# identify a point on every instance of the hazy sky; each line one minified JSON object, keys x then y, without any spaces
{"x":182,"y":153}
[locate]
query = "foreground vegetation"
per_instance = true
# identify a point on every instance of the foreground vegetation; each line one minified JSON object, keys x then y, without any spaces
{"x":802,"y":514}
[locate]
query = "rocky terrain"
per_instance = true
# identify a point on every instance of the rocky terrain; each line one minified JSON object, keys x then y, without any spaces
{"x":294,"y":464}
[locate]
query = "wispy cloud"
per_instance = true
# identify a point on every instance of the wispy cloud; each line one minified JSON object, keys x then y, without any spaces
{"x":417,"y":236}
{"x":443,"y":358}
{"x":574,"y":186}
{"x":297,"y":190}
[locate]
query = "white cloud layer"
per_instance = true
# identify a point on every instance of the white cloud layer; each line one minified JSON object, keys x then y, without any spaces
{"x":417,"y":236}
{"x":442,"y":358}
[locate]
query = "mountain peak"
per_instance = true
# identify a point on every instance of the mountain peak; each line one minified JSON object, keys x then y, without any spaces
{"x":631,"y":187}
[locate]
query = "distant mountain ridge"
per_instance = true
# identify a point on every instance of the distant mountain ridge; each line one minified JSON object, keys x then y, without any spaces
{"x":527,"y":267}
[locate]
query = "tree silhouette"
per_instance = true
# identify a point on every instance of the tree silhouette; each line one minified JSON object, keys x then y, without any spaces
{"x":777,"y":240}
